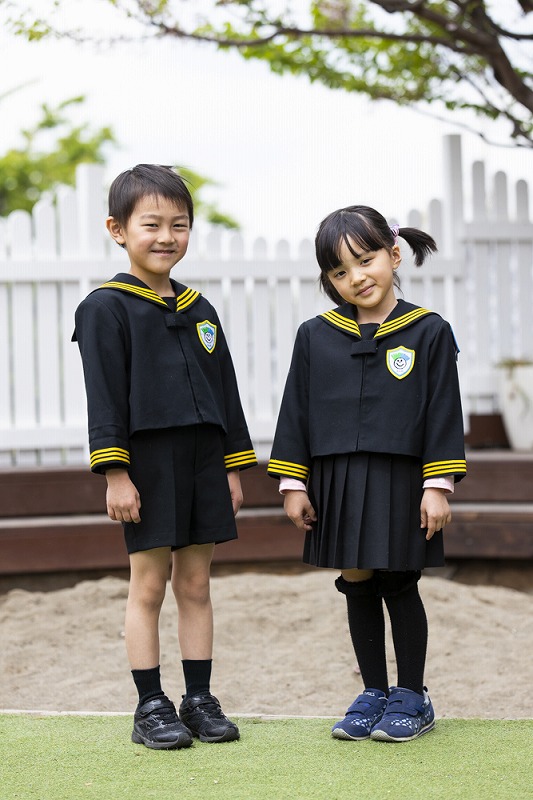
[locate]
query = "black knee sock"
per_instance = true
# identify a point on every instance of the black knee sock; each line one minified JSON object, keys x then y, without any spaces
{"x":410,"y":634}
{"x":367,"y":630}
{"x":197,"y":676}
{"x":148,"y":683}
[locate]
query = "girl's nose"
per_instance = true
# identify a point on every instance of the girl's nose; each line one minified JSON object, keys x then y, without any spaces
{"x":357,"y":275}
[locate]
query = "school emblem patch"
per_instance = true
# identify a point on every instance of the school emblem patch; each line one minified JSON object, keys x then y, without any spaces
{"x":207,"y":333}
{"x":400,"y":361}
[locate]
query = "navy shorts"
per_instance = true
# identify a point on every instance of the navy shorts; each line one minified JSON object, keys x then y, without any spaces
{"x":183,"y":485}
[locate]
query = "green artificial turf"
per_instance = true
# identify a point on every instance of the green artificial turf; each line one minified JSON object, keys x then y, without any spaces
{"x":79,"y":757}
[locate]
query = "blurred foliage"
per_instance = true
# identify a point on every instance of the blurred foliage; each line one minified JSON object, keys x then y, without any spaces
{"x":52,"y":149}
{"x":441,"y":56}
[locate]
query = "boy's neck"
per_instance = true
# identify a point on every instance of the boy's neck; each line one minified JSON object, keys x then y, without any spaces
{"x":162,"y":287}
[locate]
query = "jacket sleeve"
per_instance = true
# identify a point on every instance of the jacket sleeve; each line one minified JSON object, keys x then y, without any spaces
{"x":238,"y":449}
{"x":290,"y":455}
{"x":444,"y":435}
{"x":103,"y":351}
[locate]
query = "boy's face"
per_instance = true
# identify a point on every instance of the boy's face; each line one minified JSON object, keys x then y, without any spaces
{"x":156,"y":238}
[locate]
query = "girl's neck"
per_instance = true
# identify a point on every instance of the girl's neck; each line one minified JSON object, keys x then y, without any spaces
{"x":377,"y":316}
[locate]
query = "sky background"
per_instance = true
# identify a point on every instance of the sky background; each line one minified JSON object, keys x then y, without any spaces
{"x":284,"y":152}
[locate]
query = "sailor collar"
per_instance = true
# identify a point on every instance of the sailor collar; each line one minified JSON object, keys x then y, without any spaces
{"x":402,"y":316}
{"x":129,"y":284}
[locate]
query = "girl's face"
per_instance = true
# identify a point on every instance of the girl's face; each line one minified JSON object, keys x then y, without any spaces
{"x":366,"y":280}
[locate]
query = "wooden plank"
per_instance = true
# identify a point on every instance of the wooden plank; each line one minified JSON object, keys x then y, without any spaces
{"x":492,"y":477}
{"x":55,"y":544}
{"x":39,"y":492}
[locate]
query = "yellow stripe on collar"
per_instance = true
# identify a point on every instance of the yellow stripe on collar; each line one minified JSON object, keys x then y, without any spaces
{"x":186,"y":299}
{"x":183,"y":301}
{"x":401,"y":322}
{"x":341,"y":322}
{"x":145,"y":293}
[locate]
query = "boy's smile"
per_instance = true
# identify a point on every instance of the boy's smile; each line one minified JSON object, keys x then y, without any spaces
{"x":156,"y":237}
{"x":366,"y":280}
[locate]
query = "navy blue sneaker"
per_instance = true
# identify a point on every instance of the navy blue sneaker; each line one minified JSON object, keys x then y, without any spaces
{"x":365,"y":711}
{"x":407,"y":716}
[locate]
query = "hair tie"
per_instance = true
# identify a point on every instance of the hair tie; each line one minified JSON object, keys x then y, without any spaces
{"x":395,"y":229}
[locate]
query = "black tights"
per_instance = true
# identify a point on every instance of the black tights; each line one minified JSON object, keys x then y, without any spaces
{"x":408,"y":621}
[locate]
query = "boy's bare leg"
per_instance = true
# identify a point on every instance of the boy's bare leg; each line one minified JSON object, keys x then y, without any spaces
{"x":191,"y":567}
{"x":148,"y":580}
{"x":200,"y":711}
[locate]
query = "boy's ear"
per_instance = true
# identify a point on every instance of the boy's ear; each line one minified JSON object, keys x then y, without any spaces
{"x":115,"y":230}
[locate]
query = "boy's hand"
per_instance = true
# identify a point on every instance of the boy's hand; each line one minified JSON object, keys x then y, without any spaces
{"x":235,"y":490}
{"x":122,"y":498}
{"x":434,"y":511}
{"x":299,"y":509}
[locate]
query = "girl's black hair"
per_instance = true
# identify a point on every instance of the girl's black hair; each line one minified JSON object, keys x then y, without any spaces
{"x":367,"y":229}
{"x":146,"y":180}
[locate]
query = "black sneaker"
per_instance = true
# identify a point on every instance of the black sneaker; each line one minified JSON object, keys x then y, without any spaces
{"x":203,"y":716}
{"x":157,"y":725}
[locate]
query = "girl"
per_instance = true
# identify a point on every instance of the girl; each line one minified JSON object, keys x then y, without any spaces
{"x":368,"y":443}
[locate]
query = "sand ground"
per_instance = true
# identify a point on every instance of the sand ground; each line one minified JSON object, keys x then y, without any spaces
{"x":281,"y":647}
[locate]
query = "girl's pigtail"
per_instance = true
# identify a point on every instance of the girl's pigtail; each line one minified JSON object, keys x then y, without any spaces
{"x":422,"y":244}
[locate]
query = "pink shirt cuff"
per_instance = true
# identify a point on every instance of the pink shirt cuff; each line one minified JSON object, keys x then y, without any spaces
{"x":293,"y":485}
{"x":440,"y":483}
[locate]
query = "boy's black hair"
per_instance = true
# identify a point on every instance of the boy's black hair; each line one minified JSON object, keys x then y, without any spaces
{"x":146,"y":180}
{"x":368,"y":229}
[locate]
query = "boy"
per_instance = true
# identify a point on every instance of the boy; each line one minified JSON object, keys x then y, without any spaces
{"x":167,"y":429}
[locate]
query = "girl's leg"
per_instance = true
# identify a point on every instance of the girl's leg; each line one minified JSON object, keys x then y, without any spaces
{"x":409,"y":626}
{"x":367,"y":625}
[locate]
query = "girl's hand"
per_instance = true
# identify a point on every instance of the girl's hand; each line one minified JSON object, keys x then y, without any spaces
{"x":434,"y":511}
{"x":122,"y":498}
{"x":299,"y":509}
{"x":235,"y":490}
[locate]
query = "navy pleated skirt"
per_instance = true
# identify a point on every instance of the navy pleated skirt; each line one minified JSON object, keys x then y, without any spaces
{"x":368,"y":514}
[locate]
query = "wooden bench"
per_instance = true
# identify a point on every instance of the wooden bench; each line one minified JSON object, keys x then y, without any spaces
{"x":53,"y":520}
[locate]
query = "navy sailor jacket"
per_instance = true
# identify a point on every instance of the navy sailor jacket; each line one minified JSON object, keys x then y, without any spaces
{"x":396,"y":393}
{"x":147,"y":367}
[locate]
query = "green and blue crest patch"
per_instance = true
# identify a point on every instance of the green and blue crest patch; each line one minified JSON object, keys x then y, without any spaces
{"x":207,"y":333}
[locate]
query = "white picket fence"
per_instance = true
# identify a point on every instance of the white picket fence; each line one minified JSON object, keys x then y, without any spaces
{"x":482,"y":282}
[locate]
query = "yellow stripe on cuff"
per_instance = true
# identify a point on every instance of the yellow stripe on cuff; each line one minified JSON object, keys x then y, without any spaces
{"x":443,"y":467}
{"x":110,"y":454}
{"x":288,"y":468}
{"x":240,"y":459}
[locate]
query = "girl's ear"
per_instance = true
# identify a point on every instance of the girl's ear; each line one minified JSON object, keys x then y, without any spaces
{"x":115,"y":230}
{"x":396,"y":256}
